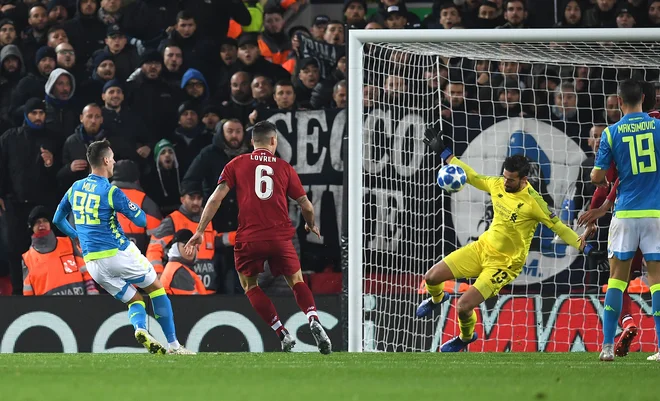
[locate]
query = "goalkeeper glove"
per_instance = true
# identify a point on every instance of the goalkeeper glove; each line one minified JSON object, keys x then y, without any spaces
{"x":594,"y":253}
{"x":433,"y":139}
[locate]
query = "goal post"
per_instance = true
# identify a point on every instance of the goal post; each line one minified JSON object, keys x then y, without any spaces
{"x":496,"y":93}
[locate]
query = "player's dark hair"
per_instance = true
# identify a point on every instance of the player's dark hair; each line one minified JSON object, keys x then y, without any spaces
{"x":630,"y":92}
{"x":648,"y":89}
{"x":517,"y":164}
{"x":262,"y":131}
{"x":97,"y":151}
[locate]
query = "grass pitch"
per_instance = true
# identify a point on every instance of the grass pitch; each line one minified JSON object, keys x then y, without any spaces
{"x":314,"y":377}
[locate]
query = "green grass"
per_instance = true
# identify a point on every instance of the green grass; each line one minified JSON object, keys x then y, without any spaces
{"x":340,"y":376}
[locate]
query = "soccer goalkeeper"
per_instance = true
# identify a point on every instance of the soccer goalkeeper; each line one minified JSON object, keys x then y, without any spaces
{"x":499,"y":254}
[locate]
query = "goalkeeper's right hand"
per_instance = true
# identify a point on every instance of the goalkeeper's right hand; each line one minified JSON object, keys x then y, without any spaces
{"x":433,"y":139}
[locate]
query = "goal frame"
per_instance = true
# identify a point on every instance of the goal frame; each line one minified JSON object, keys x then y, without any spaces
{"x":355,"y":42}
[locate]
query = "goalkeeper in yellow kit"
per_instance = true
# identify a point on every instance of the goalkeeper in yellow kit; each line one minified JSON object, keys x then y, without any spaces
{"x":499,"y":254}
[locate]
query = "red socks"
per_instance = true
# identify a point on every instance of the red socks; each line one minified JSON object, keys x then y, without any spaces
{"x":265,"y":308}
{"x":305,"y":301}
{"x":626,"y":318}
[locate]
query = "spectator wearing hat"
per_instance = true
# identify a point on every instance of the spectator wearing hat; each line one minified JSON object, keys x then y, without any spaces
{"x":186,"y":217}
{"x":251,"y":61}
{"x":32,"y":85}
{"x":571,"y":15}
{"x":29,"y":161}
{"x":274,"y":43}
{"x":34,"y":36}
{"x":53,"y":265}
{"x":152,"y":98}
{"x":124,"y":55}
{"x":163,"y":182}
{"x":625,"y":17}
{"x":240,"y":104}
{"x":12,"y":70}
{"x":61,"y":110}
{"x":308,"y":77}
{"x":8,"y":35}
{"x":354,"y":13}
{"x":57,"y":13}
{"x":319,"y":25}
{"x":127,"y":178}
{"x":85,"y":30}
{"x":178,"y":277}
{"x":194,"y":87}
{"x":397,"y":17}
{"x":211,"y":116}
{"x":601,"y":15}
{"x":191,"y":136}
{"x":103,"y":71}
{"x":384,"y":12}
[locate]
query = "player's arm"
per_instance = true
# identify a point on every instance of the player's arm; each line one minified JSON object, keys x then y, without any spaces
{"x":433,"y":140}
{"x":603,"y":160}
{"x":120,"y":202}
{"x":296,"y":191}
{"x":212,"y":205}
{"x":61,"y":214}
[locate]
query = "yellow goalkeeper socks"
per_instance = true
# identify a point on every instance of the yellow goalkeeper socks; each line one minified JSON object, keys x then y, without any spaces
{"x":467,"y":326}
{"x":435,"y":291}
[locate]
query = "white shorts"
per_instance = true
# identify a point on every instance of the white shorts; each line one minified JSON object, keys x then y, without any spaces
{"x":626,"y":235}
{"x":119,"y":274}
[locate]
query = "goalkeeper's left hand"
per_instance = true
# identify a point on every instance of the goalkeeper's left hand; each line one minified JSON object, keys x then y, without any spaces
{"x":433,"y":139}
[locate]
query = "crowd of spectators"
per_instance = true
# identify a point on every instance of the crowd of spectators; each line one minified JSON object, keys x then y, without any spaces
{"x":174,"y":85}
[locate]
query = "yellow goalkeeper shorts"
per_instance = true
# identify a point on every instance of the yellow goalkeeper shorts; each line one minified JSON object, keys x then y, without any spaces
{"x":492,"y":269}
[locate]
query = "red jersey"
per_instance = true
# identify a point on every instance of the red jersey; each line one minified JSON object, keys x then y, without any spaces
{"x":262,"y":183}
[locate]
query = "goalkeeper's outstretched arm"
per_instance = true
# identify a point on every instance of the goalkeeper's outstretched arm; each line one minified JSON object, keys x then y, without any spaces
{"x":434,"y":141}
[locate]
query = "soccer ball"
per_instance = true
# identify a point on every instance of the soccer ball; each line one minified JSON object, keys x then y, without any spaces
{"x":451,"y":178}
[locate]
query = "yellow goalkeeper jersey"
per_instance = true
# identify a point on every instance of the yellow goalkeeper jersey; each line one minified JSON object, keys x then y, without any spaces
{"x":516,"y":216}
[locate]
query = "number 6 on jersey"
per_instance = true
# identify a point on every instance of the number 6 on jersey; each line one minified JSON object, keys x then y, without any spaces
{"x":263,"y":182}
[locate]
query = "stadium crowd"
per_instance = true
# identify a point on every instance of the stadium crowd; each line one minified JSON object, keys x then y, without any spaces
{"x":174,"y":85}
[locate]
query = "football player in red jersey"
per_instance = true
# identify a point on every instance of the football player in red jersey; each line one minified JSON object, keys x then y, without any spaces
{"x":263,"y":185}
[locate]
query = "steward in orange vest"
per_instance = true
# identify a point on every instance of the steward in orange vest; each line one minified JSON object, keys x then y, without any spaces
{"x":53,"y":265}
{"x":178,"y":278}
{"x":274,"y":43}
{"x":187,"y":217}
{"x":126,"y":177}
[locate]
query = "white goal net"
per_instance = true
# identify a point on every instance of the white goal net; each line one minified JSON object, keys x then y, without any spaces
{"x":537,"y":93}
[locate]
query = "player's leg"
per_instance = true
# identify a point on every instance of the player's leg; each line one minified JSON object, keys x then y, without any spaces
{"x":265,"y":308}
{"x":102,"y":273}
{"x":464,"y":262}
{"x":136,"y":269}
{"x":650,"y":237}
{"x":627,"y":322}
{"x":623,"y":243}
{"x":489,"y":283}
{"x":305,"y":301}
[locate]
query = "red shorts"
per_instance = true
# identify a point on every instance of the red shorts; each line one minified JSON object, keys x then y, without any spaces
{"x":636,"y":264}
{"x":250,"y":257}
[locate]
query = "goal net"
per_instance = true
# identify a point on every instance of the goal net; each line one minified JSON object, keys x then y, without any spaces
{"x":540,"y":93}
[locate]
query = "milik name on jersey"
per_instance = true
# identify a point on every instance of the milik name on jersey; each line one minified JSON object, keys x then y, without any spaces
{"x":263,"y":158}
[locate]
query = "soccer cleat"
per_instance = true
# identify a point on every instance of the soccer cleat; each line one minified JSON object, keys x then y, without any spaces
{"x":181,"y":351}
{"x":427,"y":306}
{"x":322,"y":339}
{"x":288,"y":343}
{"x":456,"y":344}
{"x":654,"y":357}
{"x":607,"y":354}
{"x":151,"y":344}
{"x":623,"y":345}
